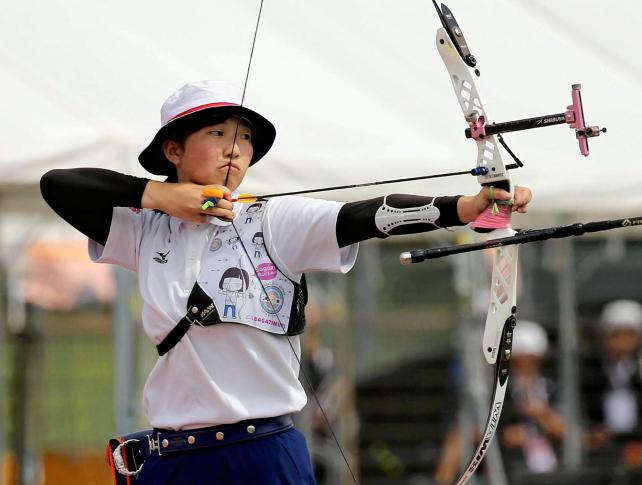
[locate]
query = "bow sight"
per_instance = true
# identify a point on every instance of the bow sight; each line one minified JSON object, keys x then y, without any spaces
{"x":573,"y":116}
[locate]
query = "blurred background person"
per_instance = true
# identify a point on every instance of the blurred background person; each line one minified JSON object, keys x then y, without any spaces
{"x":323,"y":382}
{"x":612,"y":388}
{"x":450,"y":456}
{"x":318,"y":363}
{"x":531,"y":430}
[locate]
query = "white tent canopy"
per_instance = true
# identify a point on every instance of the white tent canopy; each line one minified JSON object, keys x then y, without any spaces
{"x":356,"y":89}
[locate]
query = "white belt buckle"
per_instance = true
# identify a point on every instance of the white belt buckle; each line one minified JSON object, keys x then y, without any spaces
{"x":120,"y":462}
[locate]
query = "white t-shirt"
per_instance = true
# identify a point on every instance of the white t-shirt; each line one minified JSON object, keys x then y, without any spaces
{"x":227,"y":372}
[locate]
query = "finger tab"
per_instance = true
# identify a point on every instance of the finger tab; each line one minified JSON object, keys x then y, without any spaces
{"x":212,"y":192}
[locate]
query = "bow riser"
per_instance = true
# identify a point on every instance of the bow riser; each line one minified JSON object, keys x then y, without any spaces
{"x":503,"y":285}
{"x":503,"y":295}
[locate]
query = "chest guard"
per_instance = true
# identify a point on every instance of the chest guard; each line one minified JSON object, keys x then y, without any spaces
{"x":239,"y":283}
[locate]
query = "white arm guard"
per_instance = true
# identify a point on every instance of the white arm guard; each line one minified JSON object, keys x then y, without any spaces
{"x":388,"y":218}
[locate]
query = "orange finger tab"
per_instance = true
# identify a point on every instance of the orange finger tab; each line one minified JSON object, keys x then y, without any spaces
{"x":212,"y":192}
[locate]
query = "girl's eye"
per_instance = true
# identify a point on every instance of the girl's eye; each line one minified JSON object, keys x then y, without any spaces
{"x":216,"y":132}
{"x":245,"y":136}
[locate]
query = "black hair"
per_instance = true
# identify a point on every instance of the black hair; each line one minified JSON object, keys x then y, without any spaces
{"x":258,"y":234}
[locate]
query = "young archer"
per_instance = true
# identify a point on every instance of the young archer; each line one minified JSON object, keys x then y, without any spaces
{"x":221,"y":392}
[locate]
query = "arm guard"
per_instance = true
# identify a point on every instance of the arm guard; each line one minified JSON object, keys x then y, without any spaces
{"x":394,"y":214}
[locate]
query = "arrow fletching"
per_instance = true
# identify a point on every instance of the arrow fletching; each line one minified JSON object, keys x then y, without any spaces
{"x":246,"y":198}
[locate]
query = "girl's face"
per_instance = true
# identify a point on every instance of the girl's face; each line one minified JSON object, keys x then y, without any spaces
{"x":233,"y":284}
{"x":208,"y":154}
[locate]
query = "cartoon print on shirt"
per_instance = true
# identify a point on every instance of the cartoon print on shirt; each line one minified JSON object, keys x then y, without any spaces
{"x":216,"y":244}
{"x":257,"y":240}
{"x":233,"y":242}
{"x":272,"y":299}
{"x":246,"y":286}
{"x":253,"y":211}
{"x":233,"y":285}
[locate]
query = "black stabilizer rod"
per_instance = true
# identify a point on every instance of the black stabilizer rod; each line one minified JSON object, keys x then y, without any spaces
{"x":520,"y":125}
{"x":523,"y":236}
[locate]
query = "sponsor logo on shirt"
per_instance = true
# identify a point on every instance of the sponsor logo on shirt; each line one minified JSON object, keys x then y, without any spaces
{"x":162,"y":259}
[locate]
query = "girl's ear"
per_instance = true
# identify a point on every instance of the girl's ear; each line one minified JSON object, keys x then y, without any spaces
{"x":173,"y":151}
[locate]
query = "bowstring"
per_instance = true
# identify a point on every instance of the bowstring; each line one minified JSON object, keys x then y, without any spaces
{"x":267,"y":297}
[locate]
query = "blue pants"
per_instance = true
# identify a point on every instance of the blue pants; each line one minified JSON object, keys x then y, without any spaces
{"x":280,"y":459}
{"x":232,"y":307}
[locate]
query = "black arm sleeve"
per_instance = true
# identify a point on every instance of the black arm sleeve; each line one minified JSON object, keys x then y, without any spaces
{"x":85,"y":197}
{"x":356,"y":220}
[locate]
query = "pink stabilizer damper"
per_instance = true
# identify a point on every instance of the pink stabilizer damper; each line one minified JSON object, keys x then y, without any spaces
{"x":488,"y":220}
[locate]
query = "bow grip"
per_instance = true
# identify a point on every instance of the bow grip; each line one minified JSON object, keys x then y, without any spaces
{"x":497,"y":215}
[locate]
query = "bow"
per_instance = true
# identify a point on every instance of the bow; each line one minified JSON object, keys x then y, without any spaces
{"x":500,"y":319}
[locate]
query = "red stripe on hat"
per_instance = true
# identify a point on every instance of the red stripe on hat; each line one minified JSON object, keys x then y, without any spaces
{"x":199,"y":108}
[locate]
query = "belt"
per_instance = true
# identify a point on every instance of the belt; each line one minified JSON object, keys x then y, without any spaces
{"x":135,"y":448}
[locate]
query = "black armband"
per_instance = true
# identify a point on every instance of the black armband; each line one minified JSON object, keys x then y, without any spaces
{"x":394,"y":214}
{"x":85,"y":197}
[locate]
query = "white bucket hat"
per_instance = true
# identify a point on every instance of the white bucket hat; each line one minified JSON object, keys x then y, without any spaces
{"x":196,"y":105}
{"x":622,"y":314}
{"x":529,"y":338}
